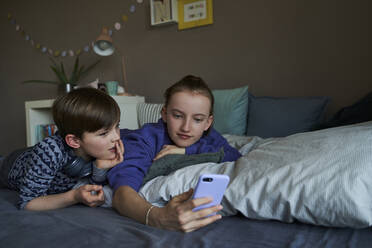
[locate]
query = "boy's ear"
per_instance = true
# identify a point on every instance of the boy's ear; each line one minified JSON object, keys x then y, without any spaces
{"x":72,"y":141}
{"x":164,"y":114}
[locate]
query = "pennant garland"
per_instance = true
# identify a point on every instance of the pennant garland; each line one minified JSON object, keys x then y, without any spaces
{"x":68,"y":52}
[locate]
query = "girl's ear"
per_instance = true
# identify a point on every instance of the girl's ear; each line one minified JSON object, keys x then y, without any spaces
{"x":72,"y":141}
{"x":164,"y":114}
{"x":209,"y":123}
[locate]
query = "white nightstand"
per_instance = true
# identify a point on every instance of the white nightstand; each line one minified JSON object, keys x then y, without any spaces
{"x":40,"y":112}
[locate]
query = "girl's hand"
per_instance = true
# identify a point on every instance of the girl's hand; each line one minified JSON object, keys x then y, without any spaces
{"x":178,"y":214}
{"x":84,"y":195}
{"x":109,"y":163}
{"x":170,"y":149}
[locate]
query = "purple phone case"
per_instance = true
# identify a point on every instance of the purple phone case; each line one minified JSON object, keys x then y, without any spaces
{"x":215,"y":189}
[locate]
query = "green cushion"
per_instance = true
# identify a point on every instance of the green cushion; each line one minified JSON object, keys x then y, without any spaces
{"x":230,"y":110}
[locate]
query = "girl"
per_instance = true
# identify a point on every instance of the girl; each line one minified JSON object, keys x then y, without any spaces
{"x":185,"y":128}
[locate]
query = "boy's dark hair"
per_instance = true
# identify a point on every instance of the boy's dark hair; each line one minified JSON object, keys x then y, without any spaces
{"x":84,"y":110}
{"x":193,"y":84}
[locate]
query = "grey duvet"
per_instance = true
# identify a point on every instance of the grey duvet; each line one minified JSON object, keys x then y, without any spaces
{"x":81,"y":226}
{"x":252,"y":211}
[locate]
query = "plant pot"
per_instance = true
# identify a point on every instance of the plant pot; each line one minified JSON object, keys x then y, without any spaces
{"x":68,"y":88}
{"x":65,"y":88}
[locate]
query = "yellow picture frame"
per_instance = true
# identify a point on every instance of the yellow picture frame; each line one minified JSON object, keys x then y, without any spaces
{"x":194,"y":13}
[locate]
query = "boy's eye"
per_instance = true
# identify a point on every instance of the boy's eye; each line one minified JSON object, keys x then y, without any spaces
{"x":103,"y":133}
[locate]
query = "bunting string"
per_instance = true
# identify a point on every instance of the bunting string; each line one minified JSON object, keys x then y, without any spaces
{"x":88,"y":47}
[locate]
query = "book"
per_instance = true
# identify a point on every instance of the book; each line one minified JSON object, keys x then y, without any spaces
{"x":45,"y":130}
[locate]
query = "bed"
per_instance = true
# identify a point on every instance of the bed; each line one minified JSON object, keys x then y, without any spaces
{"x":80,"y":226}
{"x":286,"y":223}
{"x":293,"y":187}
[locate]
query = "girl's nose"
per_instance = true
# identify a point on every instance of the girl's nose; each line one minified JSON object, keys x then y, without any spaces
{"x":186,"y":125}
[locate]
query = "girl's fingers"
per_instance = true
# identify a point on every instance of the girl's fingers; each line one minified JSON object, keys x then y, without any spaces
{"x":196,"y":224}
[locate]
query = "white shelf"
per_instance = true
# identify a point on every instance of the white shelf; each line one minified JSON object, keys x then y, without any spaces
{"x":40,"y":113}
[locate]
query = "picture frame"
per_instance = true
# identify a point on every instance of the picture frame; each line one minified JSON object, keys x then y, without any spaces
{"x":194,"y":13}
{"x":163,"y":12}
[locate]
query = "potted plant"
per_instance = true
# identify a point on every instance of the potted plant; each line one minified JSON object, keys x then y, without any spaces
{"x":68,"y":82}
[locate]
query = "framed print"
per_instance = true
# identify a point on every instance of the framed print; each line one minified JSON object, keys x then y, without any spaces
{"x":194,"y":13}
{"x":163,"y":11}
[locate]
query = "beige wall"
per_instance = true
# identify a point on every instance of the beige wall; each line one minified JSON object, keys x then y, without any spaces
{"x":278,"y":48}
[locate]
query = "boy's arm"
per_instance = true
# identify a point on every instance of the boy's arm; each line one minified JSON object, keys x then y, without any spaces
{"x":98,"y":175}
{"x":41,"y":165}
{"x":71,"y":197}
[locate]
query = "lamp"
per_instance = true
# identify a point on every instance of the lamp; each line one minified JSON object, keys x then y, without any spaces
{"x":103,"y":46}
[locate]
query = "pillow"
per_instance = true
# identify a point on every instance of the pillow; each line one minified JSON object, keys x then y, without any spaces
{"x":230,"y":110}
{"x":283,"y":116}
{"x":148,"y":112}
{"x":360,"y":111}
{"x":321,"y":177}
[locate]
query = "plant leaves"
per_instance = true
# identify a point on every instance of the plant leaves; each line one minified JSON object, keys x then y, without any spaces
{"x":84,"y":72}
{"x":63,"y":74}
{"x":59,"y":74}
{"x":53,"y":61}
{"x":76,"y":74}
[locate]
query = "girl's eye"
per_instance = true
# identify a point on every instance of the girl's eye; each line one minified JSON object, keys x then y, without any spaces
{"x":177,"y":116}
{"x":198,"y":120}
{"x":118,"y":125}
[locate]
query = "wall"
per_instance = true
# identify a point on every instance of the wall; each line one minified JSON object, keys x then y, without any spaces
{"x":279,"y":48}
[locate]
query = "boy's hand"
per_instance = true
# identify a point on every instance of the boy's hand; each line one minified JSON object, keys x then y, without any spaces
{"x":109,"y":163}
{"x":170,"y":149}
{"x":84,"y":195}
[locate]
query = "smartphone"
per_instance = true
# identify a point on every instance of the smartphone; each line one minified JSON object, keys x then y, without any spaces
{"x":210,"y":185}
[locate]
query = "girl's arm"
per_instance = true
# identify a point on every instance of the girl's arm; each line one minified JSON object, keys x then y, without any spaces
{"x":213,"y":142}
{"x":176,"y":215}
{"x":79,"y":195}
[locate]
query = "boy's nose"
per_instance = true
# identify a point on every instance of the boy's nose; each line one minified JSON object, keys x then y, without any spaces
{"x":115,"y":136}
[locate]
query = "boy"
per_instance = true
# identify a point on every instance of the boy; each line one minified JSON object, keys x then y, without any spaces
{"x":86,"y":145}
